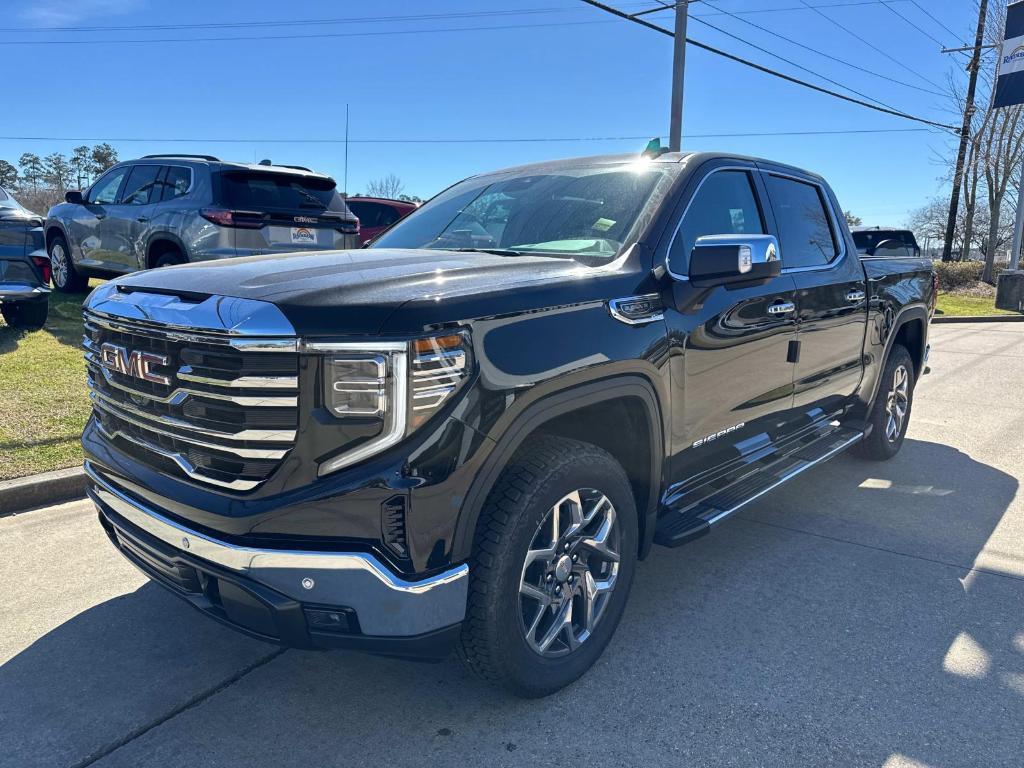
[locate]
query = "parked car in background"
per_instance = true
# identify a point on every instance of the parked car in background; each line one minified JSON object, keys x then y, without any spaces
{"x":24,"y":266}
{"x":172,"y":209}
{"x":377,"y":214}
{"x":893,"y":242}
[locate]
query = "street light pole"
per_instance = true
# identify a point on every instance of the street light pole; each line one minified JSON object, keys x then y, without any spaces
{"x":965,"y":133}
{"x":675,"y":134}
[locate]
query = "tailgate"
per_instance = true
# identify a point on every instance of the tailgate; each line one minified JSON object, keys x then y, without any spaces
{"x":281,"y":232}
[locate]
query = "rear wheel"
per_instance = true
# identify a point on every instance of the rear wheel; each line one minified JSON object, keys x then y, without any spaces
{"x":26,"y":315}
{"x":169,"y":258}
{"x":66,"y":278}
{"x":552,"y":566}
{"x":890,"y":413}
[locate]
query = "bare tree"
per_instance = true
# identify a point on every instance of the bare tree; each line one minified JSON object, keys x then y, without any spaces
{"x":389,"y":186}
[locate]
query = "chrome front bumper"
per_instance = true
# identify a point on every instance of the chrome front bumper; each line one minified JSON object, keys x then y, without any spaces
{"x":385,"y":604}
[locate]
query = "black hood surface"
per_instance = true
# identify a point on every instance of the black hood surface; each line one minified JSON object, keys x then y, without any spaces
{"x":356,"y":292}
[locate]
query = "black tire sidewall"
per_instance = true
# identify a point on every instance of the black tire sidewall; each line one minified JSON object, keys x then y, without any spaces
{"x":169,"y":260}
{"x":535,"y":675}
{"x":878,"y":447}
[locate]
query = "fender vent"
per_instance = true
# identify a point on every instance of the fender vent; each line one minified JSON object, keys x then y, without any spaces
{"x":392,"y":515}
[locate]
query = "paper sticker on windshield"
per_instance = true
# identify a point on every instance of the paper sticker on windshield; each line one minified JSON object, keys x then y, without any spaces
{"x":603,"y":225}
{"x":303,"y":236}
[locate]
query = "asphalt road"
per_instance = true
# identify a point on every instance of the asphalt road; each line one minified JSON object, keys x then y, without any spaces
{"x":865,"y":614}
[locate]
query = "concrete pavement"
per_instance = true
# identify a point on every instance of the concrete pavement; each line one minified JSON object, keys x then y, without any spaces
{"x":865,"y":614}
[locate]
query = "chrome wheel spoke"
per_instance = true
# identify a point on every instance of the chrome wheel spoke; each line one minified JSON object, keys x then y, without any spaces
{"x":563,"y":620}
{"x":599,"y":542}
{"x":530,"y":590}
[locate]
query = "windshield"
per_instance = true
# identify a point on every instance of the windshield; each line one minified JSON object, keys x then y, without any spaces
{"x":589,"y":213}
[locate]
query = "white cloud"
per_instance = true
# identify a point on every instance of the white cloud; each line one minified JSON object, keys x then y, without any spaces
{"x":56,"y":13}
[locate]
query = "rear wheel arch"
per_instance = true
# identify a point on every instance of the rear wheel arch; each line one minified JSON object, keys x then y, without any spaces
{"x":626,"y":404}
{"x":162,"y":245}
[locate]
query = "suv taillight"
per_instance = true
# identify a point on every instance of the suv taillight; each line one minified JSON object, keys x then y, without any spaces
{"x":44,"y":266}
{"x":226,"y":218}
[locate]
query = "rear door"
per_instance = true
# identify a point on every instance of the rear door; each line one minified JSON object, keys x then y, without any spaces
{"x":277,"y":212}
{"x":732,"y":380}
{"x":831,"y":290}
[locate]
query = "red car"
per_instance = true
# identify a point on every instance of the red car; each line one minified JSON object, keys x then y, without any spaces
{"x":376,"y":214}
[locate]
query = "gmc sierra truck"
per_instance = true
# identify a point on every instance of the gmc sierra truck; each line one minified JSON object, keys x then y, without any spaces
{"x":467,"y":435}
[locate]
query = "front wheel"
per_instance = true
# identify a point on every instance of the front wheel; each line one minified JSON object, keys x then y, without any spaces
{"x":552,"y":566}
{"x":66,"y":278}
{"x":890,"y":413}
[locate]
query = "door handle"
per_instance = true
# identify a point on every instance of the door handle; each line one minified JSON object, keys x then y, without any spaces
{"x":781,"y":308}
{"x":100,"y":216}
{"x":144,"y":219}
{"x":855,"y":296}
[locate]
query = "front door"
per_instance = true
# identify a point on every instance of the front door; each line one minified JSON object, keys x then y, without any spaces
{"x":88,"y":219}
{"x":120,"y":232}
{"x":732,"y":379}
{"x":831,"y":292}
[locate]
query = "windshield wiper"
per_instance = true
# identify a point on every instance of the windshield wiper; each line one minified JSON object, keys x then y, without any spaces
{"x":311,"y":198}
{"x":495,"y":251}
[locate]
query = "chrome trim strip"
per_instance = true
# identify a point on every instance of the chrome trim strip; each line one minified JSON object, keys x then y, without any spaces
{"x":245,"y":453}
{"x":181,"y":394}
{"x":242,"y":382}
{"x":395,"y":432}
{"x":183,"y":463}
{"x":246,"y":435}
{"x":352,"y":346}
{"x":386,"y":604}
{"x":243,"y":345}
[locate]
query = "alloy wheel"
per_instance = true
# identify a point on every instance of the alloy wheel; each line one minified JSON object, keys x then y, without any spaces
{"x":59,"y":265}
{"x":569,"y":572}
{"x":896,"y":404}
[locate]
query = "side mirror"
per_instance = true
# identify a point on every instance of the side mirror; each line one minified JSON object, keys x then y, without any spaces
{"x":74,"y":196}
{"x":727,"y":259}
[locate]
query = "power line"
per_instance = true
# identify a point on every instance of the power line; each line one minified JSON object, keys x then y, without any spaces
{"x":868,"y":44}
{"x":494,"y":140}
{"x":794,"y":64}
{"x":928,"y":13}
{"x":915,"y":26}
{"x":836,"y":59}
{"x":767,"y":70}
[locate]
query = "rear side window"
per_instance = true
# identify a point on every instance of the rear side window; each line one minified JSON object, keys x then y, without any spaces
{"x":176,"y":182}
{"x":254,"y":191}
{"x":805,"y":228}
{"x":141,"y":185}
{"x":725,"y":204}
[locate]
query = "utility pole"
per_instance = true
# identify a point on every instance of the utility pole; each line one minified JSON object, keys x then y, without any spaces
{"x":965,"y":132}
{"x":675,"y":134}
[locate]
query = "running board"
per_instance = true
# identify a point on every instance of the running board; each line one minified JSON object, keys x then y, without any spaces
{"x":680,"y":526}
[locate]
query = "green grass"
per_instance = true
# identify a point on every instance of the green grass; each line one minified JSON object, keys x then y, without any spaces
{"x":43,"y":398}
{"x":952,"y":304}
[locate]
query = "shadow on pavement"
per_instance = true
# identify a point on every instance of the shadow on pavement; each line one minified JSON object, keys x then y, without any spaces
{"x":838,"y":622}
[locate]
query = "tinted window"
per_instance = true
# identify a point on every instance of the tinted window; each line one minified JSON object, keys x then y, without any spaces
{"x":105,"y":190}
{"x":140,"y":186}
{"x":388,"y":216}
{"x":176,"y":182}
{"x":255,"y":191}
{"x":369,"y":214}
{"x":892,"y":249}
{"x":725,"y":204}
{"x":805,"y":230}
{"x":3,"y":195}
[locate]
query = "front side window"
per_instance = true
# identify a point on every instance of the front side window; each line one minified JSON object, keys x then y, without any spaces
{"x":585,"y":213}
{"x":805,"y":228}
{"x":725,"y":204}
{"x":104,"y":191}
{"x":141,"y":184}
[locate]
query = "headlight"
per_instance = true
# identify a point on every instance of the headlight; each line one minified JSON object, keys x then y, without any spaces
{"x":396,"y":385}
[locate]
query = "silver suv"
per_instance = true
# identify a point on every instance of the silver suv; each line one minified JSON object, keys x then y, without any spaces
{"x":171,"y":209}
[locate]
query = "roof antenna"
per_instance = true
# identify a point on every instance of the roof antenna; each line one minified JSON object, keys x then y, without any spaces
{"x":265,"y":161}
{"x":654,"y":149}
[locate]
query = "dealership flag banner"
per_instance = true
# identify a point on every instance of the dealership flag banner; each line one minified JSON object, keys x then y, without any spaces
{"x":1010,"y":85}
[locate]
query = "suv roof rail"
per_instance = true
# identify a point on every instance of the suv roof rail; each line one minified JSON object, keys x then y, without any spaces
{"x":297,"y":168}
{"x":182,"y":154}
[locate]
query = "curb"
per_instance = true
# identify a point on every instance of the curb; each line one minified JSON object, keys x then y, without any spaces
{"x":978,"y":319}
{"x":24,"y":493}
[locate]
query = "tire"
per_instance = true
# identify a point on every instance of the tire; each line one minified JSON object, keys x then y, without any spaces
{"x":896,"y":389}
{"x":66,"y":277}
{"x":26,"y":315}
{"x":168,"y":259}
{"x":517,"y":518}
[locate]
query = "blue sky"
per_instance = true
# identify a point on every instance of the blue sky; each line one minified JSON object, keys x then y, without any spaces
{"x":538,"y":69}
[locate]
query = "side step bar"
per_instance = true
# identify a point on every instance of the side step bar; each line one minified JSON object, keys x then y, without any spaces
{"x":680,"y":526}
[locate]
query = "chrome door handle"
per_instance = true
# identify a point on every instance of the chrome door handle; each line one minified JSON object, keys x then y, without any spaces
{"x":781,"y":308}
{"x":855,"y":296}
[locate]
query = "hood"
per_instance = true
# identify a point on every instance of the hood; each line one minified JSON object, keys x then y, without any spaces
{"x":356,"y":292}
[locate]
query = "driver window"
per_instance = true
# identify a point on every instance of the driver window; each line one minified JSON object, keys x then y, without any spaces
{"x":725,"y":204}
{"x":104,"y":191}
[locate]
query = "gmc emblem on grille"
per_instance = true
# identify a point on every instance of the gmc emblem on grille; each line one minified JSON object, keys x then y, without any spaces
{"x":133,"y":363}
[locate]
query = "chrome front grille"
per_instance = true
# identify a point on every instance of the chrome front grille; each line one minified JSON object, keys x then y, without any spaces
{"x":227,"y":415}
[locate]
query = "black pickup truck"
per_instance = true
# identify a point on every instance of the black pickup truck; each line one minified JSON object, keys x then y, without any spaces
{"x":469,"y":434}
